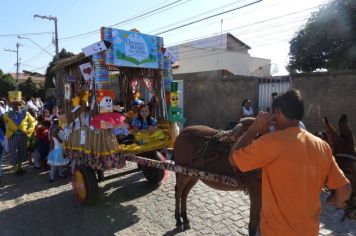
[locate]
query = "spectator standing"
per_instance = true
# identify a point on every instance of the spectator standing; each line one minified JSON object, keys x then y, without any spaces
{"x":2,"y":143}
{"x":295,"y":164}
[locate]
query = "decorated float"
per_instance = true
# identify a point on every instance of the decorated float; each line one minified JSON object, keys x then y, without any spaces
{"x":101,"y":90}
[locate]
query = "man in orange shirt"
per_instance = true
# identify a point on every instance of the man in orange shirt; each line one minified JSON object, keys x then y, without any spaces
{"x":295,"y":167}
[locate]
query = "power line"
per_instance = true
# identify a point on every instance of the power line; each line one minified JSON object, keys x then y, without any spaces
{"x":218,"y":43}
{"x":127,"y":20}
{"x":240,"y":27}
{"x":226,"y":19}
{"x":190,"y":18}
{"x":42,"y":51}
{"x":208,"y":17}
{"x":24,"y":34}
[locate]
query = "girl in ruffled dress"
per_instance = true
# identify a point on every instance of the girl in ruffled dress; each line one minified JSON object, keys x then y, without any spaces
{"x":55,"y":157}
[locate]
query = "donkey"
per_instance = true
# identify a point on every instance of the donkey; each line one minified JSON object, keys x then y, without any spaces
{"x":207,"y":149}
{"x":342,"y":143}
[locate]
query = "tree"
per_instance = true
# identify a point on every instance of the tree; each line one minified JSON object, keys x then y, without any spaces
{"x":50,"y":74}
{"x":29,"y":88}
{"x":327,"y":41}
{"x":7,"y":83}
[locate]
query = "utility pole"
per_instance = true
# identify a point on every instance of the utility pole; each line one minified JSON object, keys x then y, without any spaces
{"x":17,"y":62}
{"x":57,"y":53}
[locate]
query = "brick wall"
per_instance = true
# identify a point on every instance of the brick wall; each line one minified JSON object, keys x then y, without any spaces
{"x":328,"y":94}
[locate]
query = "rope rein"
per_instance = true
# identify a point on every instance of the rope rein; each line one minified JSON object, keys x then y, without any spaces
{"x":352,"y":157}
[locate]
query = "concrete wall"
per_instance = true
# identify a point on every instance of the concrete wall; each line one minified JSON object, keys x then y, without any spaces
{"x":328,"y":94}
{"x":214,"y":98}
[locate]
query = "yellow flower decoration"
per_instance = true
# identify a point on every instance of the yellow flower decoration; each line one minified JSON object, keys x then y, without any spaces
{"x":76,"y":101}
{"x":85,"y":96}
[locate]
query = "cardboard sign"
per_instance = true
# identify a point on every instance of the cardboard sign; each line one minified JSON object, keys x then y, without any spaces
{"x":82,"y":137}
{"x":169,"y":54}
{"x":70,"y":78}
{"x":67,"y":92}
{"x":94,"y":48}
{"x":87,"y":71}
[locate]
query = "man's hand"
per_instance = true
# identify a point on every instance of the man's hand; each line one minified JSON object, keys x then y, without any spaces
{"x":262,"y":122}
{"x":340,"y":196}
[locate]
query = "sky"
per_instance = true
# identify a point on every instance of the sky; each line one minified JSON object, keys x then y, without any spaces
{"x":266,"y":26}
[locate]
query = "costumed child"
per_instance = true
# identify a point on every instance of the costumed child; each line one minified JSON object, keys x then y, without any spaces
{"x":31,"y":141}
{"x":133,"y":112}
{"x":55,"y":156}
{"x":2,"y":145}
{"x":144,"y":121}
{"x":19,"y":125}
{"x":122,"y":133}
{"x":42,"y":143}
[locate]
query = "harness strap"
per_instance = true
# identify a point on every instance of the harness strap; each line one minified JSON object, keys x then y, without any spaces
{"x":352,"y":157}
{"x":201,"y":152}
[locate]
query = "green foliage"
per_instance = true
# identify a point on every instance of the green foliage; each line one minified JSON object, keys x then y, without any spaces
{"x":49,"y":74}
{"x":327,"y":41}
{"x":7,"y":83}
{"x":29,"y":88}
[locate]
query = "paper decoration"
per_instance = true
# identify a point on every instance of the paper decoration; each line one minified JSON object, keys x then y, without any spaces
{"x":175,"y":113}
{"x":105,"y":104}
{"x":173,"y":98}
{"x":87,"y":71}
{"x":70,"y":78}
{"x":94,"y":48}
{"x":169,"y":54}
{"x":82,"y":137}
{"x":67,"y":92}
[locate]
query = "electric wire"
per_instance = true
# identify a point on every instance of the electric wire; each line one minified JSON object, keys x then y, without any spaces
{"x":208,"y":17}
{"x":24,"y":34}
{"x":125,"y":21}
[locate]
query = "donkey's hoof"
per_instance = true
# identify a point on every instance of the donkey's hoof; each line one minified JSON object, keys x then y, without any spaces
{"x":179,"y":223}
{"x":186,"y":226}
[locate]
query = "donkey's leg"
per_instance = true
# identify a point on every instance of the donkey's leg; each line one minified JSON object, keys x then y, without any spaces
{"x":254,"y":189}
{"x":186,"y":191}
{"x":181,"y":182}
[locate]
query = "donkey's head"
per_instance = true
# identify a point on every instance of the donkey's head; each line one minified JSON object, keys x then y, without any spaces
{"x":241,"y":128}
{"x":342,"y":143}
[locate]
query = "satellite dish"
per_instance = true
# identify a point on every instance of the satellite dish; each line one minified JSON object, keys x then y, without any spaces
{"x":266,"y":71}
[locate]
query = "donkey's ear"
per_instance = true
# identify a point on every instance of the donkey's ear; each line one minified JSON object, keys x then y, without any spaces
{"x":345,"y":131}
{"x":329,"y":129}
{"x":344,"y":128}
{"x":326,"y":121}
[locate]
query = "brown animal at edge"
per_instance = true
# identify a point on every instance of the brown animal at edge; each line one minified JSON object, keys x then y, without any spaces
{"x":343,"y":142}
{"x":191,"y":150}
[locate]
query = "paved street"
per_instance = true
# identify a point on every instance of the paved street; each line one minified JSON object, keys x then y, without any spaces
{"x":127,"y":205}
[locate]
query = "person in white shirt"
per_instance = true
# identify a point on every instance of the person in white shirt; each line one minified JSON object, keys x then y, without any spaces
{"x":2,"y":108}
{"x":247,"y":110}
{"x":31,"y":105}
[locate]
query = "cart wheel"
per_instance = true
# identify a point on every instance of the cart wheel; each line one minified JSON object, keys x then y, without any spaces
{"x":85,"y":184}
{"x":153,"y":175}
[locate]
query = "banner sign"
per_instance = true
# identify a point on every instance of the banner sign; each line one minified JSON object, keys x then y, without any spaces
{"x":133,"y":49}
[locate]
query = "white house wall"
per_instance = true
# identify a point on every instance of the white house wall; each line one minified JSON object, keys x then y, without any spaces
{"x":197,"y":60}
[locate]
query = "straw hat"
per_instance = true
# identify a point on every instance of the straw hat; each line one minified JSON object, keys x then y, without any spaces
{"x":16,"y":97}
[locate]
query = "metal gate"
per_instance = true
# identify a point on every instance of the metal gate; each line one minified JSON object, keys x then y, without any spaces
{"x":267,"y":86}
